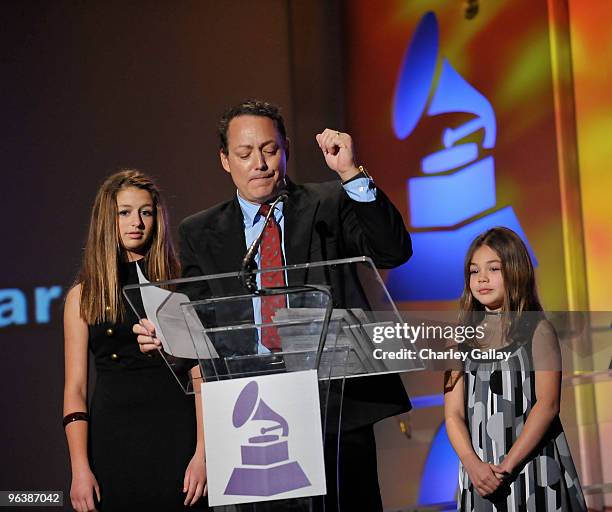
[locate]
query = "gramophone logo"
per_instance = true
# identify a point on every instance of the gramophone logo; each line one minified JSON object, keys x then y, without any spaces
{"x":455,"y":199}
{"x":266,"y":466}
{"x":264,"y":438}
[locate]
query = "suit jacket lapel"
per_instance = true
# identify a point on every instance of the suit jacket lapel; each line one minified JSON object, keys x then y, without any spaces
{"x":227,"y":242}
{"x":299,"y":210}
{"x":226,"y":239}
{"x":227,"y":248}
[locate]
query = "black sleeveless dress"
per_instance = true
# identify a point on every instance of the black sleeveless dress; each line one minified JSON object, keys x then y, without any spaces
{"x":142,"y":429}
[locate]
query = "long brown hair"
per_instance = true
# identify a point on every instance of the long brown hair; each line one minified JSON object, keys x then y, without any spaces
{"x":520,"y":294}
{"x":99,"y":273}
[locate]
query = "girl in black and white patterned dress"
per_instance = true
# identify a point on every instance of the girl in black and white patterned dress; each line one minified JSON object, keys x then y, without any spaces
{"x":502,"y":414}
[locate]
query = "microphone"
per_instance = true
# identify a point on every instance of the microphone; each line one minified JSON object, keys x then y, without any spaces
{"x":246,"y":276}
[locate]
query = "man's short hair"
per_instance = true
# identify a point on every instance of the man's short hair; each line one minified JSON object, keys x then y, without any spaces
{"x":250,"y":108}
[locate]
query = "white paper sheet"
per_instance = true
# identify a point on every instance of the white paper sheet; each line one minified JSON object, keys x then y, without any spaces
{"x":176,"y":336}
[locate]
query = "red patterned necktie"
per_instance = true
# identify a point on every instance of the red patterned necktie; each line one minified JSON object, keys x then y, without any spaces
{"x":271,"y":256}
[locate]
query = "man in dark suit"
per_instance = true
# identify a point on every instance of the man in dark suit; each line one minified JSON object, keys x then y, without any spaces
{"x":317,"y":222}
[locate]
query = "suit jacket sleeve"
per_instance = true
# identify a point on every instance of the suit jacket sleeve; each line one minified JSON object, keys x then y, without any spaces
{"x":375,"y":229}
{"x":190,"y":267}
{"x":189,"y":261}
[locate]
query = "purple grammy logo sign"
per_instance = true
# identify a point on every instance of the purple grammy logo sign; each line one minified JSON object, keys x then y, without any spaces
{"x":266,"y":469}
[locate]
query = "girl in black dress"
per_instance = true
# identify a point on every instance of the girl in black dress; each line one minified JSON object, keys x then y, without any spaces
{"x":140,"y":446}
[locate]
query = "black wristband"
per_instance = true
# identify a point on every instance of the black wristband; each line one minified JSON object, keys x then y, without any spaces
{"x":75,"y":416}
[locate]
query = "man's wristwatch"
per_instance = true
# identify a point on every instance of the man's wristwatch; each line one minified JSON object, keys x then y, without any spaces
{"x":363,"y":173}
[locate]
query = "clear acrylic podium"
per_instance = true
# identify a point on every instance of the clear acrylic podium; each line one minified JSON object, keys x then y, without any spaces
{"x":325,"y":319}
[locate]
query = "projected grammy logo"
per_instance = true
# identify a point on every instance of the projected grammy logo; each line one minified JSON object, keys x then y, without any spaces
{"x":455,"y":199}
{"x":266,"y":469}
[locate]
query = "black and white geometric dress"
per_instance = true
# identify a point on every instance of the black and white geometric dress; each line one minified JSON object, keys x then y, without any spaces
{"x":499,"y":397}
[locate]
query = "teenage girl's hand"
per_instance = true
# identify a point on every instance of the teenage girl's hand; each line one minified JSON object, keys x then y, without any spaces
{"x":484,"y":480}
{"x":146,"y":336}
{"x":84,"y":484}
{"x":195,"y":479}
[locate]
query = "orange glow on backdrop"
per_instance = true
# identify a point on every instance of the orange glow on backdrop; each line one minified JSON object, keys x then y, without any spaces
{"x":511,"y":68}
{"x":592,"y":65}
